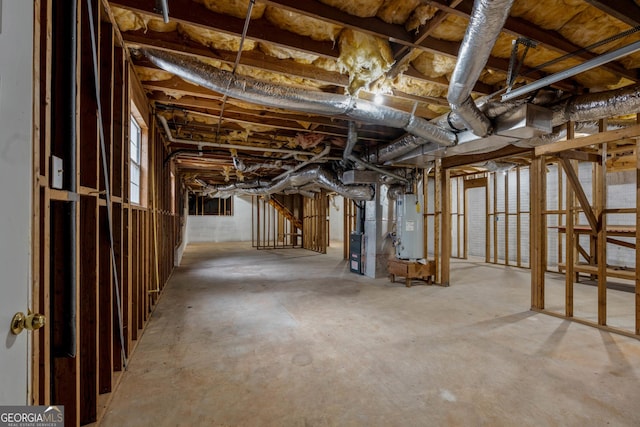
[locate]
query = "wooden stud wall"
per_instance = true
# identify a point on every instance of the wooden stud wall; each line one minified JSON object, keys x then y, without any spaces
{"x":315,"y":223}
{"x":75,"y":217}
{"x":592,"y":259}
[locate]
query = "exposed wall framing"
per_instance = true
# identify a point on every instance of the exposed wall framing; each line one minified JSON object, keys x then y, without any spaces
{"x":582,"y":225}
{"x":276,"y":222}
{"x":77,"y":361}
{"x":316,"y":223}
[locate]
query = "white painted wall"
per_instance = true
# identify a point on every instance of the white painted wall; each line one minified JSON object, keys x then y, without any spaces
{"x":211,"y":228}
{"x":336,"y":219}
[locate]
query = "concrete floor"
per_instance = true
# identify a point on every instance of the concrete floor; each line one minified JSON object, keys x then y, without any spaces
{"x":290,"y":338}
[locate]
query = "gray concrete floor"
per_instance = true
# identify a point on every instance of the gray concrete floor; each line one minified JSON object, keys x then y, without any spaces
{"x":243,"y":337}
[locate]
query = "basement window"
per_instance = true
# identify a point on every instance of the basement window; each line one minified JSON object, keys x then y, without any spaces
{"x":203,"y":205}
{"x":135,"y":138}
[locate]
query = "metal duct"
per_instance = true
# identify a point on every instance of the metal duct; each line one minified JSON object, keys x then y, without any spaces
{"x":560,"y":133}
{"x":316,"y":175}
{"x":399,"y":147}
{"x":395,"y":191}
{"x":486,"y":22}
{"x":594,"y":106}
{"x":240,"y":166}
{"x":314,"y":102}
{"x":352,"y":139}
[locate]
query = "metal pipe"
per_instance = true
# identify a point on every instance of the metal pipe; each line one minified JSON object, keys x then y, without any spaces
{"x":165,"y":10}
{"x":377,"y":169}
{"x":64,"y":122}
{"x":569,"y":72}
{"x":107,"y":185}
{"x":485,"y":23}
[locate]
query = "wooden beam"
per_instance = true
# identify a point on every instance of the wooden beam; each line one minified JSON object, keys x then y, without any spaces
{"x":510,"y":150}
{"x":598,"y":138}
{"x":173,"y":41}
{"x":189,"y":12}
{"x":582,"y":156}
{"x":573,"y":180}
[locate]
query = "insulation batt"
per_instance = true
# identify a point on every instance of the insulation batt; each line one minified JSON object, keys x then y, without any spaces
{"x":237,"y":8}
{"x":548,"y":14}
{"x":420,"y":16}
{"x":128,"y":21}
{"x":364,"y":57}
{"x":284,"y":53}
{"x":433,"y":65}
{"x":302,"y":24}
{"x":215,"y":39}
{"x":397,"y":11}
{"x":361,"y":8}
{"x":152,"y":74}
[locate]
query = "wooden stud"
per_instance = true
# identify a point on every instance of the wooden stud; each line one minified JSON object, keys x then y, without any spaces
{"x":518,"y":220}
{"x":487,"y":221}
{"x":600,"y":201}
{"x":437,"y":220}
{"x":446,"y":228}
{"x":637,"y":153}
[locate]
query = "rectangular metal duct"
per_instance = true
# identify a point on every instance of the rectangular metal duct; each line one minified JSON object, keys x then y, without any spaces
{"x":526,"y":121}
{"x":360,"y":177}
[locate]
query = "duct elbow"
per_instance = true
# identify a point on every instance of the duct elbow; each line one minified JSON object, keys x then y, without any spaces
{"x":473,"y":118}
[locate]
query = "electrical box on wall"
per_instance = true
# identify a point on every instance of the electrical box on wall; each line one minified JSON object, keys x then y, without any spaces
{"x":57,"y":173}
{"x":410,"y":227}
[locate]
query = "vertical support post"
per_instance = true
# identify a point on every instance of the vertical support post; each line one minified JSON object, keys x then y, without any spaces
{"x":437,"y":215}
{"x":487,"y":225}
{"x":495,"y":217}
{"x":506,"y":219}
{"x":569,"y":236}
{"x":538,"y":232}
{"x":637,"y":232}
{"x":518,"y":221}
{"x":600,"y":202}
{"x":446,"y":227}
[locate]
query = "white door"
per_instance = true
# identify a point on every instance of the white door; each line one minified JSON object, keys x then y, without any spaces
{"x":16,"y":99}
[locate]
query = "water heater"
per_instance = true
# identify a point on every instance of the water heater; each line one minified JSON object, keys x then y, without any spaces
{"x":409,"y":227}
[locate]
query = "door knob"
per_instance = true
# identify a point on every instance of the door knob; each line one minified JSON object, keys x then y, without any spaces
{"x":30,"y":321}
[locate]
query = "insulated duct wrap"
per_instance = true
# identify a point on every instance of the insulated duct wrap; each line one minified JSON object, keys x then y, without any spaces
{"x":486,"y":22}
{"x":314,"y":175}
{"x":313,"y":102}
{"x":599,"y":105}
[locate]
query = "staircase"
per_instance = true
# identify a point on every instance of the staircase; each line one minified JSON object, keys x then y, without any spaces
{"x":285,"y":212}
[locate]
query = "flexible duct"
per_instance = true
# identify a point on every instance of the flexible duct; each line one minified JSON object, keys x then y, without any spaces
{"x":240,"y":166}
{"x":486,"y":22}
{"x":594,"y":106}
{"x":395,"y":191}
{"x":316,"y":175}
{"x":352,"y":139}
{"x":314,"y":102}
